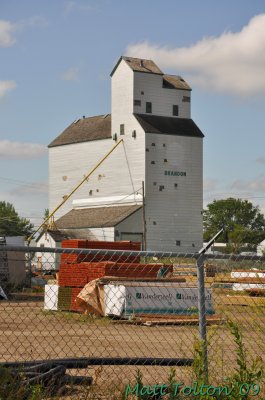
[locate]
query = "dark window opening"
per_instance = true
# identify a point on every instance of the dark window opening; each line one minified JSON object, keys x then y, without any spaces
{"x":167,"y":85}
{"x":153,"y":144}
{"x":165,"y":160}
{"x":148,"y":107}
{"x":142,"y":92}
{"x":164,"y":145}
{"x":122,"y":129}
{"x":154,"y":222}
{"x":175,"y":185}
{"x":146,"y":149}
{"x":178,"y":242}
{"x":137,"y":102}
{"x":152,"y":162}
{"x":186,"y":99}
{"x":154,"y":183}
{"x":161,"y":187}
{"x":175,"y":110}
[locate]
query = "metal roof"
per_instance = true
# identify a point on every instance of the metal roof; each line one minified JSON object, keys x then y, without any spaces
{"x":168,"y":125}
{"x":175,"y":82}
{"x":85,"y":130}
{"x":139,"y":65}
{"x":98,"y":217}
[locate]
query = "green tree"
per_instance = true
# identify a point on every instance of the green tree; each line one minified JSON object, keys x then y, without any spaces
{"x":11,"y":224}
{"x":242,"y":221}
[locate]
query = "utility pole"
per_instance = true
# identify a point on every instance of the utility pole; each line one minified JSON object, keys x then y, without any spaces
{"x":144,"y":221}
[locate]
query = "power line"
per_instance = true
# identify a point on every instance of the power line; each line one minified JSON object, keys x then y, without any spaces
{"x":18,"y":182}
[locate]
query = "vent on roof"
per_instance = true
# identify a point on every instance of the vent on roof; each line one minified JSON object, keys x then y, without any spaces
{"x":84,"y":116}
{"x":75,"y":122}
{"x":141,"y":63}
{"x":105,"y":116}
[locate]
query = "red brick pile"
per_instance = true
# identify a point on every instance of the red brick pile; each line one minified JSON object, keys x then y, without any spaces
{"x":76,"y":270}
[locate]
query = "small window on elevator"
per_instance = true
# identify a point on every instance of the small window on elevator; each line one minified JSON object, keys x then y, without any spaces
{"x":148,"y":107}
{"x":122,"y":129}
{"x":175,"y":110}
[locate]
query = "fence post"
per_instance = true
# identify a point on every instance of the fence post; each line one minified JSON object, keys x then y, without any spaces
{"x":202,"y":312}
{"x":201,"y":301}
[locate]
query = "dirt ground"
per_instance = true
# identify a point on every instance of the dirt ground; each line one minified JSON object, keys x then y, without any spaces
{"x":29,"y":333}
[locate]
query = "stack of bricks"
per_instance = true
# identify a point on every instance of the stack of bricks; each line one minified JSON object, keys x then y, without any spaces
{"x":76,"y":270}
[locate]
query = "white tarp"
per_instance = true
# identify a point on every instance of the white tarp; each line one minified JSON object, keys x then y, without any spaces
{"x":121,"y":299}
{"x":246,"y":286}
{"x":114,"y":296}
{"x":248,"y":274}
{"x":51,"y":297}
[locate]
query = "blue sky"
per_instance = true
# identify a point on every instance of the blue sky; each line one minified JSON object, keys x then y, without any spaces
{"x":56,"y":57}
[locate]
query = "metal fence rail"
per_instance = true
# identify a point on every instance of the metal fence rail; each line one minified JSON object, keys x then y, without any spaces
{"x":128,"y":316}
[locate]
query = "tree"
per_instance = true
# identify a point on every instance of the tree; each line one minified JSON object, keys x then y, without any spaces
{"x":242,"y":222}
{"x":11,"y":224}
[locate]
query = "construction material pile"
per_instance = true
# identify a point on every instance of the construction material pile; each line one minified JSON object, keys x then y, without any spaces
{"x":78,"y":269}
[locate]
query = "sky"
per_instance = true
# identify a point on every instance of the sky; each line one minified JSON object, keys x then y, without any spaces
{"x":55,"y":62}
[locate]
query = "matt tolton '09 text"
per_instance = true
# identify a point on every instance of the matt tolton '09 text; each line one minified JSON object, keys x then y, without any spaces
{"x":196,"y":389}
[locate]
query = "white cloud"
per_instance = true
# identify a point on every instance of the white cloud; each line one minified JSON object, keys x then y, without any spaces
{"x":254,"y":185}
{"x":34,"y":21}
{"x":71,"y":74}
{"x":6,"y":86}
{"x":72,"y":5}
{"x":233,"y":63}
{"x":6,"y":31}
{"x":23,"y":151}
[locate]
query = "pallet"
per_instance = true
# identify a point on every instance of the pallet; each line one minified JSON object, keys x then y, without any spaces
{"x":161,"y":320}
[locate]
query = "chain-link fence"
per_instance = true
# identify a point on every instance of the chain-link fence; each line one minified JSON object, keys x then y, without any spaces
{"x":120,"y":323}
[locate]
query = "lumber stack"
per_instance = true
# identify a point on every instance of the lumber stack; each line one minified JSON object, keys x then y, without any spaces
{"x":77,"y":269}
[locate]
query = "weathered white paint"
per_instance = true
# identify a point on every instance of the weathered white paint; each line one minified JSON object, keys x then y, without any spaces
{"x":162,"y":99}
{"x":131,"y":225}
{"x":106,"y":234}
{"x":46,"y":261}
{"x":110,"y":201}
{"x":121,"y":174}
{"x":173,"y":213}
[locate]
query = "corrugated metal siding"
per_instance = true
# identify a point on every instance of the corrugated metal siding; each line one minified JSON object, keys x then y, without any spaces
{"x":106,"y":234}
{"x":132,"y":224}
{"x":162,"y":99}
{"x":174,"y":213}
{"x":121,"y":173}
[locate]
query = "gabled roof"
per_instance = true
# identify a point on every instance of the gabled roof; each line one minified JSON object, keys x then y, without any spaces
{"x":85,"y":130}
{"x":57,"y":235}
{"x":62,"y":234}
{"x":139,"y":65}
{"x":168,"y":125}
{"x":98,"y":217}
{"x":175,"y":82}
